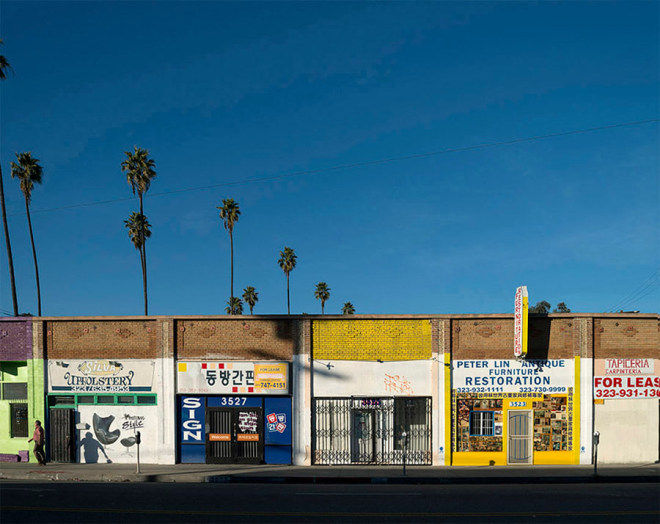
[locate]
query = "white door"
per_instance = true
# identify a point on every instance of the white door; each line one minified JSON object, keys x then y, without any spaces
{"x":520,"y":437}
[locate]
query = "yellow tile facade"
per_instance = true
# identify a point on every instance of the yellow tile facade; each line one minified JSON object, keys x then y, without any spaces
{"x":371,"y":339}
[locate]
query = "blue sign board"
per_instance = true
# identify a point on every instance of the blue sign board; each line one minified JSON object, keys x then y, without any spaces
{"x":192,"y":420}
{"x":278,"y":421}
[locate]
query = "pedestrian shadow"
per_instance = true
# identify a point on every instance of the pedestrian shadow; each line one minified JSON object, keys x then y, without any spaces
{"x":90,"y":448}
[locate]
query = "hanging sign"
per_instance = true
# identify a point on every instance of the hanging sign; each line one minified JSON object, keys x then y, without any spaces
{"x":520,"y":323}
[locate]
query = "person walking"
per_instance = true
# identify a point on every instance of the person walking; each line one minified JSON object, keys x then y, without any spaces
{"x":39,"y":439}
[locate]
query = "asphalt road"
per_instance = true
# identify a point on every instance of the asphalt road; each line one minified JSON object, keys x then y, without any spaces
{"x":82,"y":502}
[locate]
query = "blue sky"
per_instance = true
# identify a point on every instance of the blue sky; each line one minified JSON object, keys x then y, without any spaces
{"x":222,"y":93}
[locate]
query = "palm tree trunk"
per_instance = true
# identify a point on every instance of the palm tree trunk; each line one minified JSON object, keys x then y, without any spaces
{"x":34,"y":255}
{"x":231,"y":245}
{"x":322,"y":308}
{"x":143,"y":261}
{"x":288,"y":302}
{"x":10,"y":258}
{"x":144,"y":278}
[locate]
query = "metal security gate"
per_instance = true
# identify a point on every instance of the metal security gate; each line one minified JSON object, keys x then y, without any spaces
{"x":234,"y":436}
{"x":520,"y":437}
{"x":61,"y":435}
{"x":369,"y":430}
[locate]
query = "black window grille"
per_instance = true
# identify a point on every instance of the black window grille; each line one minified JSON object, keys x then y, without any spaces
{"x":14,"y":391}
{"x":19,"y":420}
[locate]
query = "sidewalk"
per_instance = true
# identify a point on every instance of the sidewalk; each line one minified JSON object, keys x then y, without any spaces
{"x":221,"y":473}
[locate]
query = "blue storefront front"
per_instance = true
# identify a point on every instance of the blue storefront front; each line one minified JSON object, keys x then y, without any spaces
{"x":248,"y":422}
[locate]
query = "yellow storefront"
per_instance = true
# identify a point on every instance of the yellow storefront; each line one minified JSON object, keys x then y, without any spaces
{"x":506,"y":412}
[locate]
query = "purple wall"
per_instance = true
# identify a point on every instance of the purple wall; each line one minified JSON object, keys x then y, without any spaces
{"x":16,"y":338}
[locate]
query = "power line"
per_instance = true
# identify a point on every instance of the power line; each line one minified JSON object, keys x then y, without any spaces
{"x":357,"y":164}
{"x":646,"y":287}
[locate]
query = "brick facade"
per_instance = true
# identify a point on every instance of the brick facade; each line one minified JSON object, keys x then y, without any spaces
{"x":102,"y":338}
{"x":626,"y":337}
{"x":359,"y":339}
{"x":269,"y":339}
{"x":16,"y":339}
{"x":492,"y":338}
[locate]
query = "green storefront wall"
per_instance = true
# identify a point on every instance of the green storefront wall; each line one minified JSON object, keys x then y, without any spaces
{"x":33,"y":373}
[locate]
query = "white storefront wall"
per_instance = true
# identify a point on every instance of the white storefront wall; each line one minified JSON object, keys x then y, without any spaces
{"x":105,"y":432}
{"x":346,"y":378}
{"x":627,"y":410}
{"x":410,"y":378}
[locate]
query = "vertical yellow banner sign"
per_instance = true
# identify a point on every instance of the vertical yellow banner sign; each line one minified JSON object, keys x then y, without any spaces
{"x":520,"y":322}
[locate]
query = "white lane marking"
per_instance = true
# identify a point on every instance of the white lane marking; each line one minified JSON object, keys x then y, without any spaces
{"x":27,"y":489}
{"x":366,"y":494}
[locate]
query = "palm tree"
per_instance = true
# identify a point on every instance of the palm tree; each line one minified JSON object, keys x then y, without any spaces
{"x":4,"y":67}
{"x":322,"y":293}
{"x":138,"y":231}
{"x":347,"y":309}
{"x":234,"y":306}
{"x":139,"y":169}
{"x":287,"y":262}
{"x":251,"y":297}
{"x":229,"y":214}
{"x":29,"y":172}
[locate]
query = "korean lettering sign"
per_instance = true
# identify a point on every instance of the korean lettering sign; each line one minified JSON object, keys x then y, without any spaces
{"x":231,"y":377}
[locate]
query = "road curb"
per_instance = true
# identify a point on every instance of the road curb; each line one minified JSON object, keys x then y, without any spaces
{"x":235,"y":479}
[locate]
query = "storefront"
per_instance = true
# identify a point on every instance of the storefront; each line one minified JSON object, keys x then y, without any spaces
{"x":234,"y":412}
{"x":626,"y":409}
{"x":97,"y":408}
{"x":372,"y":412}
{"x":21,"y":389}
{"x":515,"y":412}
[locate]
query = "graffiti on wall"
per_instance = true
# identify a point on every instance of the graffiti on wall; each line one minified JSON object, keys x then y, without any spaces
{"x":398,"y":384}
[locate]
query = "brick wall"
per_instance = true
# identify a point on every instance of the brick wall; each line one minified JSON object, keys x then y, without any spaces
{"x":16,"y":339}
{"x":238,"y":339}
{"x":387,"y":339}
{"x":626,"y":337}
{"x":492,"y":338}
{"x":110,"y":338}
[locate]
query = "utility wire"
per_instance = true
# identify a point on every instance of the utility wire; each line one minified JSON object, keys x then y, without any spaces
{"x":646,"y":287}
{"x":356,"y":164}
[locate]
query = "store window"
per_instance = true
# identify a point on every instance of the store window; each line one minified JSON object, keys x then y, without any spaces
{"x":83,"y":399}
{"x":13,"y":380}
{"x":481,"y":423}
{"x":19,"y":420}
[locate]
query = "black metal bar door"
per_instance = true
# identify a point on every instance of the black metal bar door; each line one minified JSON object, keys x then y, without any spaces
{"x":61,"y":436}
{"x":219,"y":445}
{"x":249,"y":435}
{"x":234,"y":436}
